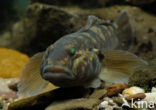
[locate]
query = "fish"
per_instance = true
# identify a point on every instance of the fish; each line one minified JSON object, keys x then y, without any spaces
{"x":83,"y":58}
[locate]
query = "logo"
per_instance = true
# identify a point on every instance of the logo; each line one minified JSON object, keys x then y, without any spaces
{"x":139,"y":104}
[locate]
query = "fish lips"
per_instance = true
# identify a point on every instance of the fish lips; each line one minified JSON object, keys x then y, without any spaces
{"x":56,"y":73}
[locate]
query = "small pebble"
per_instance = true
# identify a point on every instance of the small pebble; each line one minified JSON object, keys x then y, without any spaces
{"x":115,"y":89}
{"x":150,"y":97}
{"x":117,"y":109}
{"x":136,"y":96}
{"x":118,"y":100}
{"x":104,"y":104}
{"x":107,"y":104}
{"x":7,"y":95}
{"x":132,"y":91}
{"x":13,"y":86}
{"x":110,"y":101}
{"x":153,"y":89}
{"x":101,"y":108}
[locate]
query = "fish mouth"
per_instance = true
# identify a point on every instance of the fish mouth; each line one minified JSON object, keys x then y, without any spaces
{"x":55,"y":70}
{"x":59,"y":72}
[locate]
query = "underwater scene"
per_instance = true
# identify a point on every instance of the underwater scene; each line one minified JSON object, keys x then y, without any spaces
{"x":78,"y":55}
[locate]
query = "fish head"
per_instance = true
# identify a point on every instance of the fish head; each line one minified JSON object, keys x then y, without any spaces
{"x":68,"y":66}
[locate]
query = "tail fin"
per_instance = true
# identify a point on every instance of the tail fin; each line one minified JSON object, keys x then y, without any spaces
{"x":124,"y":30}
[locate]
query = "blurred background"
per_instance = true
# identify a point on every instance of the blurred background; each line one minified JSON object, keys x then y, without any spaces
{"x":29,"y":26}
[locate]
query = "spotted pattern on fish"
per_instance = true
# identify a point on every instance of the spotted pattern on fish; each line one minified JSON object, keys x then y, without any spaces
{"x":74,"y":52}
{"x":111,"y":29}
{"x":51,"y":47}
{"x":91,"y":38}
{"x":115,"y":25}
{"x":99,"y":31}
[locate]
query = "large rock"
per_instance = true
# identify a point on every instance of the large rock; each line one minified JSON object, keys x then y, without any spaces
{"x":145,"y":77}
{"x":11,"y":62}
{"x":48,"y":24}
{"x":75,"y":104}
{"x":42,"y":26}
{"x":39,"y":102}
{"x":76,"y":98}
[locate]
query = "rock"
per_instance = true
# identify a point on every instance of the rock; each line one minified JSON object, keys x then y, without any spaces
{"x":150,"y":97}
{"x":153,"y":89}
{"x":49,"y":23}
{"x":62,"y":99}
{"x":8,"y":95}
{"x":13,"y":86}
{"x":144,"y":77}
{"x":132,"y":91}
{"x":150,"y":56}
{"x":118,"y":100}
{"x":144,"y":38}
{"x":115,"y":89}
{"x":11,"y":62}
{"x":75,"y":104}
{"x":136,"y":96}
{"x":42,"y":26}
{"x":98,"y":94}
{"x":5,"y":82}
{"x":107,"y":104}
{"x":6,"y":98}
{"x":40,"y":101}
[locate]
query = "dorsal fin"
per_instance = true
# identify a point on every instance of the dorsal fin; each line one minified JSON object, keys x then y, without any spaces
{"x":92,"y":21}
{"x":31,"y":81}
{"x":125,"y":32}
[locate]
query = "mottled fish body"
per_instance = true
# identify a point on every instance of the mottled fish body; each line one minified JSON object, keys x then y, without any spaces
{"x":98,"y":36}
{"x":83,"y":58}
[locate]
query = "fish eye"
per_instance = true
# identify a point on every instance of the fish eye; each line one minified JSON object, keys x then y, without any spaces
{"x":72,"y":51}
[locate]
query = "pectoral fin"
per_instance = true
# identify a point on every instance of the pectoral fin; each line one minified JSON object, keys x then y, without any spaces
{"x":31,"y":82}
{"x":96,"y":83}
{"x":118,"y":65}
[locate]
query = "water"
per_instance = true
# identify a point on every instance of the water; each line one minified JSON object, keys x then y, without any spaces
{"x":20,"y":5}
{"x":11,"y":11}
